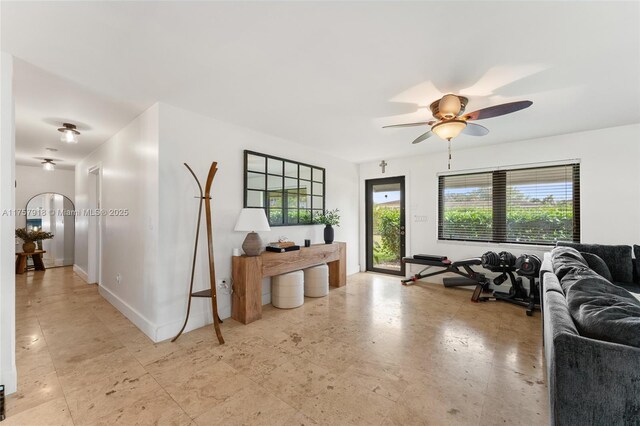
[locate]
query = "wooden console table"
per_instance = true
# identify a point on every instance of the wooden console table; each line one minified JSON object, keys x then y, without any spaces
{"x":21,"y":261}
{"x":248,"y":272}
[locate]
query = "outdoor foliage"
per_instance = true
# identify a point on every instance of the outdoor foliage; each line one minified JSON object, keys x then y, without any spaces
{"x":542,"y":223}
{"x":387,"y":223}
{"x":468,"y":215}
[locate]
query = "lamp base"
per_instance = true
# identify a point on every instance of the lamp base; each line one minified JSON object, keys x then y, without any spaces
{"x":252,"y":244}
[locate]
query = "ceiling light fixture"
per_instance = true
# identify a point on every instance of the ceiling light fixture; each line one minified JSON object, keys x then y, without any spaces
{"x":48,"y":165}
{"x":450,"y":119}
{"x":449,"y":106}
{"x":69,"y":133}
{"x":449,"y":129}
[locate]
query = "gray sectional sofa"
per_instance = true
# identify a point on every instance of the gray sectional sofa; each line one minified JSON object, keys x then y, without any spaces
{"x":591,"y":328}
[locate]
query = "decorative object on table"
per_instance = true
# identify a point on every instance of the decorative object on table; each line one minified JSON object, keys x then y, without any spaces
{"x":211,"y":293}
{"x":307,"y":243}
{"x":252,"y":220}
{"x":328,"y":218}
{"x":300,"y":188}
{"x":450,"y":121}
{"x":236,"y":252}
{"x":278,"y":249}
{"x":282,"y":243}
{"x":31,"y":237}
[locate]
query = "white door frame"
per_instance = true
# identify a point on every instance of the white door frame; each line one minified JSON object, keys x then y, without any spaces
{"x":94,"y":234}
{"x":8,"y":372}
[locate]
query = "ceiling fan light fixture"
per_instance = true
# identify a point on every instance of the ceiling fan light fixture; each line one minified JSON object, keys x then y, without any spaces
{"x":449,"y":106}
{"x":449,"y":129}
{"x":69,"y":133}
{"x":48,"y":165}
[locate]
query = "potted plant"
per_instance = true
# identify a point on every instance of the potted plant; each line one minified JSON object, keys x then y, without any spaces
{"x":328,"y":218}
{"x":30,"y":237}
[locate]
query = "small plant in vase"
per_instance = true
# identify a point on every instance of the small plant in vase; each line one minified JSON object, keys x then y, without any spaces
{"x":328,"y":218}
{"x":30,"y":237}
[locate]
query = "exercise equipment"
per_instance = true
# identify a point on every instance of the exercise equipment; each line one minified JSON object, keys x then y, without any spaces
{"x":210,"y":292}
{"x":506,"y":264}
{"x":462,"y":267}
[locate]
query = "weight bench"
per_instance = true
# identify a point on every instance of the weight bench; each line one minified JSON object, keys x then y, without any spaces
{"x":468,"y":277}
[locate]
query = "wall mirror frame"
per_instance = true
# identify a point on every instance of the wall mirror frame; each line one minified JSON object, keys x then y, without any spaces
{"x":290,"y":192}
{"x":55,"y":213}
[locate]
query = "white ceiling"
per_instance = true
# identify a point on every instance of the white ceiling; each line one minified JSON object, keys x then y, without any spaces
{"x":324,"y":74}
{"x":45,"y":101}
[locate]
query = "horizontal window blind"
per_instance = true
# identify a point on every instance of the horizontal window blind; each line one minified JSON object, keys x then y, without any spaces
{"x":466,"y":202}
{"x":527,"y":205}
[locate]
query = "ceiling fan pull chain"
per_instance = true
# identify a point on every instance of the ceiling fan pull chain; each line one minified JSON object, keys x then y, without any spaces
{"x":449,"y":144}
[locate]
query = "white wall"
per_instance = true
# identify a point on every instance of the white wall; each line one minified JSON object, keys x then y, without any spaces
{"x":609,"y":175}
{"x":31,"y":181}
{"x":197,"y":140}
{"x":7,"y":227}
{"x":129,"y":170}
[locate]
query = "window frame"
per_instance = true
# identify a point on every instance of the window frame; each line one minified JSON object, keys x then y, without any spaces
{"x":283,"y":191}
{"x":499,"y":204}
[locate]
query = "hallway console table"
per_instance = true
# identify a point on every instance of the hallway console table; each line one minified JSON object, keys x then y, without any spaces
{"x":21,"y":261}
{"x":248,"y":272}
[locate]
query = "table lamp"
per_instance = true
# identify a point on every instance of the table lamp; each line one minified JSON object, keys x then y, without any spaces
{"x":252,"y":220}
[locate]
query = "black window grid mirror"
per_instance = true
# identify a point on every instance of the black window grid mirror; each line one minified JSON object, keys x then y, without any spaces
{"x":290,"y":192}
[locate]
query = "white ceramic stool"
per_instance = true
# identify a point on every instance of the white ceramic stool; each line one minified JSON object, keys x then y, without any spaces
{"x":316,"y":281}
{"x":287,"y":290}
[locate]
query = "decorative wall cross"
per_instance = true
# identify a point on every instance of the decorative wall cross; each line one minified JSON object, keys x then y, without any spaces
{"x":383,"y":165}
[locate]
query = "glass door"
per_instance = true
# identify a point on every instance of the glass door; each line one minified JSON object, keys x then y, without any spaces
{"x":385,"y":225}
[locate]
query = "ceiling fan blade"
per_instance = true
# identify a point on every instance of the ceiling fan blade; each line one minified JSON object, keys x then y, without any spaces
{"x":421,"y":123}
{"x":423,"y":137}
{"x":473,"y":129}
{"x":498,"y":110}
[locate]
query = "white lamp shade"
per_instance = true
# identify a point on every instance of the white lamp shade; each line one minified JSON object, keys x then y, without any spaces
{"x":252,"y":220}
{"x":449,"y":129}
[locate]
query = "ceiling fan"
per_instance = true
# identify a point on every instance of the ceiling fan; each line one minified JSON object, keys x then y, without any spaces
{"x":450,"y":119}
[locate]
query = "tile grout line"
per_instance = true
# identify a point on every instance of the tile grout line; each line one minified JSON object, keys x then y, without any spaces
{"x":53,"y":363}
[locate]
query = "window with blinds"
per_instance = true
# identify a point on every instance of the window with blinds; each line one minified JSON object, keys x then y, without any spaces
{"x":526,"y":206}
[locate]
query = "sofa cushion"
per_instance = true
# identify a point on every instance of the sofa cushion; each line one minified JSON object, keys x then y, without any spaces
{"x":602,"y":310}
{"x":617,"y":258}
{"x":565,"y":260}
{"x":596,"y":263}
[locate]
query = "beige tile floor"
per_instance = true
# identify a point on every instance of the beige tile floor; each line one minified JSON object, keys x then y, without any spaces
{"x":373,"y":352}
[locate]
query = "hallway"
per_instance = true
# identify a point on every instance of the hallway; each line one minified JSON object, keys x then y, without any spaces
{"x":373,"y":352}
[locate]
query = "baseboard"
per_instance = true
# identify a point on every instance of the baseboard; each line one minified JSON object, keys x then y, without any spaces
{"x":197,"y":318}
{"x":81,"y":273}
{"x":10,"y":380}
{"x":139,"y":320}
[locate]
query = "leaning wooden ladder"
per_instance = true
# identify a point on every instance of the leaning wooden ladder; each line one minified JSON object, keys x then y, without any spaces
{"x":211,"y":292}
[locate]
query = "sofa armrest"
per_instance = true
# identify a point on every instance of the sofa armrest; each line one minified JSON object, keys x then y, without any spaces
{"x":595,"y":382}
